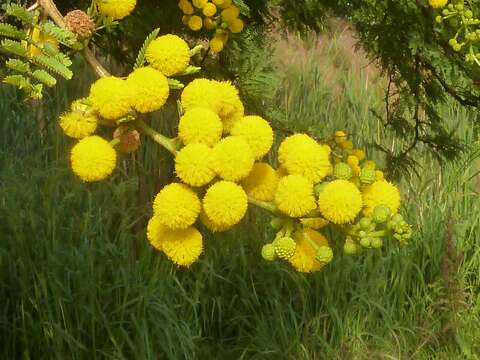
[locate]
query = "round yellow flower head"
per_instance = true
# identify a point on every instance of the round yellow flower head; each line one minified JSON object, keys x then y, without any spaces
{"x":262,"y":182}
{"x":177,"y":206}
{"x":149,"y":88}
{"x":201,"y":93}
{"x":294,"y":196}
{"x":284,"y":247}
{"x":218,"y":2}
{"x":257,"y":132}
{"x":209,"y":9}
{"x":436,"y":4}
{"x":340,"y":201}
{"x":155,"y":232}
{"x":314,"y":223}
{"x":217,"y":43}
{"x":111,"y":97}
{"x":169,"y":54}
{"x":230,"y":14}
{"x":186,"y":7}
{"x":236,"y":26}
{"x":200,"y":3}
{"x":183,"y":247}
{"x":381,"y":193}
{"x":225,"y":204}
{"x":379,"y":175}
{"x":117,"y":9}
{"x":195,"y":23}
{"x":340,"y":137}
{"x":212,"y":226}
{"x":302,"y":155}
{"x":93,"y":158}
{"x":193,"y":164}
{"x":230,"y":120}
{"x":359,"y":154}
{"x":78,"y":125}
{"x":304,"y":259}
{"x":230,"y":104}
{"x":200,"y":125}
{"x":232,"y":158}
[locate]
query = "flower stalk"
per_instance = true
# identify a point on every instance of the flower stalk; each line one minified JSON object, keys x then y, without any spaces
{"x":168,"y":143}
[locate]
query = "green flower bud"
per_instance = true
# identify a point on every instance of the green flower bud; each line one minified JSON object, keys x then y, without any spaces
{"x":365,"y":223}
{"x":438,"y":19}
{"x":367,"y":176}
{"x":468,"y":14}
{"x":381,"y":214}
{"x":365,"y":242}
{"x":445,"y":12}
{"x":376,"y":243}
{"x":268,"y":252}
{"x":457,"y":47}
{"x":324,"y":254}
{"x":342,"y":171}
{"x":350,"y":248}
{"x":285,"y":247}
{"x":459,"y":6}
{"x":453,"y":22}
{"x":452,"y":42}
{"x":362,"y":233}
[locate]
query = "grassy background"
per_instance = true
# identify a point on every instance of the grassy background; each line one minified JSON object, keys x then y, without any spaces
{"x":78,"y":279}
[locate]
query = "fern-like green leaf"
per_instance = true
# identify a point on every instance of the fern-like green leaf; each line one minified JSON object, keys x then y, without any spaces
{"x":243,"y":7}
{"x":140,"y":61}
{"x":18,"y":65}
{"x":18,"y":81}
{"x":44,"y":77}
{"x":53,"y":65}
{"x":49,"y":49}
{"x":61,"y":35}
{"x":14,"y":47}
{"x":11,"y":31}
{"x":64,"y":59}
{"x":19,"y":12}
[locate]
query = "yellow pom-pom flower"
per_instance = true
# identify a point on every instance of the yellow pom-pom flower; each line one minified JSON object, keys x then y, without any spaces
{"x":217,"y":43}
{"x":201,"y":93}
{"x":169,"y":54}
{"x":209,"y":9}
{"x":257,"y":132}
{"x":340,"y":201}
{"x":236,"y":26}
{"x":436,"y":4}
{"x":78,"y":125}
{"x":294,"y":196}
{"x":117,"y":9}
{"x":379,"y":175}
{"x":93,"y":159}
{"x":195,"y":23}
{"x":200,"y":125}
{"x":230,"y":104}
{"x":212,"y":226}
{"x":302,"y":155}
{"x":304,"y":259}
{"x":225,"y":204}
{"x":149,"y":88}
{"x":199,"y":3}
{"x":155,"y":232}
{"x":177,"y":206}
{"x":111,"y":97}
{"x":381,"y":193}
{"x":262,"y":182}
{"x":232,"y":158}
{"x":186,"y":7}
{"x":183,"y":247}
{"x":230,"y":14}
{"x":193,"y":164}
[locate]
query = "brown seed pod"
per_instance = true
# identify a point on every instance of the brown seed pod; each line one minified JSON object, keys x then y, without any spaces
{"x":80,"y":24}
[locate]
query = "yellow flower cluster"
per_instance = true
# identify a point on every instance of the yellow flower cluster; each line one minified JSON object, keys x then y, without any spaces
{"x":220,"y":16}
{"x":116,"y":9}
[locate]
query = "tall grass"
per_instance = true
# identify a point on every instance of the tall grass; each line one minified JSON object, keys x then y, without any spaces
{"x":79,"y":281}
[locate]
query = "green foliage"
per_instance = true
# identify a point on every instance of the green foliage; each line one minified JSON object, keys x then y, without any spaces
{"x":18,"y":65}
{"x":53,"y":65}
{"x":19,"y":12}
{"x":14,"y":47}
{"x":11,"y":31}
{"x":44,"y":77}
{"x":140,"y":61}
{"x":63,"y":36}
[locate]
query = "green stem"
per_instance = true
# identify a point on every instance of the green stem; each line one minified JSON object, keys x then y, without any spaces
{"x":115,"y":141}
{"x":263,"y":204}
{"x":168,"y":143}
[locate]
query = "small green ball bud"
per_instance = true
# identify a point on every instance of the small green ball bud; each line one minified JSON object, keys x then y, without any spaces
{"x":438,"y":19}
{"x":381,"y":214}
{"x":324,"y":254}
{"x":459,"y":6}
{"x":397,"y":218}
{"x":449,"y":7}
{"x":365,"y":223}
{"x":350,"y":248}
{"x":445,"y":12}
{"x":342,"y":171}
{"x":452,"y":42}
{"x":367,"y":176}
{"x":376,"y":243}
{"x":285,"y":247}
{"x":457,"y":47}
{"x":362,"y":233}
{"x":468,"y":14}
{"x":268,"y":252}
{"x":365,"y":242}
